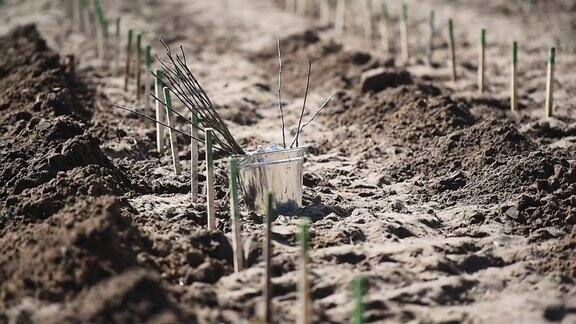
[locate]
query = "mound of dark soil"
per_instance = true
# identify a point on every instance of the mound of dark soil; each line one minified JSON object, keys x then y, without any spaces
{"x":455,"y":154}
{"x":332,"y":67}
{"x":458,"y":155}
{"x":489,"y":161}
{"x":406,"y":111}
{"x":46,"y":155}
{"x":33,"y":82}
{"x":54,"y":259}
{"x":135,"y":296}
{"x":487,"y":142}
{"x":397,"y":117}
{"x":42,"y":201}
{"x":205,"y":257}
{"x":549,"y":202}
{"x":47,"y":151}
{"x":83,"y":258}
{"x":565,"y":254}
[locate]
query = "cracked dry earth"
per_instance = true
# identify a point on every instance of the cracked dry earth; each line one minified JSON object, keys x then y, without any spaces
{"x":453,"y":208}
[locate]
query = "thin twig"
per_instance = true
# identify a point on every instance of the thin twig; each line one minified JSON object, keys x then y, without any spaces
{"x":314,"y":115}
{"x":280,"y":94}
{"x":318,"y":110}
{"x":303,"y":104}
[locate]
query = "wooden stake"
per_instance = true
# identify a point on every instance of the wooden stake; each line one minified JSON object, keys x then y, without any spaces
{"x":368,"y":21}
{"x":81,"y":5}
{"x":404,"y":32}
{"x":340,"y":17}
{"x":431,"y":36}
{"x":118,"y":45}
{"x":302,"y":5}
{"x":69,"y":6}
{"x":105,"y":32}
{"x":138,"y":66}
{"x":71,"y":65}
{"x":513,"y":76}
{"x":267,"y":254}
{"x":160,"y":129}
{"x":148,"y":77}
{"x":211,"y":212}
{"x":194,"y":158}
{"x":481,"y":61}
{"x":304,"y":284}
{"x":324,"y":12}
{"x":235,"y":214}
{"x":358,"y":291}
{"x":172,"y":136}
{"x":100,"y":26}
{"x":77,"y":15}
{"x":452,"y":48}
{"x":86,"y":18}
{"x":128,"y":59}
{"x":549,"y":107}
{"x":384,"y":23}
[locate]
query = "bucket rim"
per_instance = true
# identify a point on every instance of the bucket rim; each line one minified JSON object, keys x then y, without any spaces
{"x":259,"y":164}
{"x":243,"y":157}
{"x":284,"y":150}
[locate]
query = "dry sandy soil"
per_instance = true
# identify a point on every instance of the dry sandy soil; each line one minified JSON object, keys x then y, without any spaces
{"x":452,"y":207}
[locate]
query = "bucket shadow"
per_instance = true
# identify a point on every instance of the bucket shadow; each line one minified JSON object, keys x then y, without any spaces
{"x":317,"y":211}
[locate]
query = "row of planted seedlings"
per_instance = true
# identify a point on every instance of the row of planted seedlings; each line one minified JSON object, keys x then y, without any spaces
{"x":269,"y":179}
{"x":376,"y":21}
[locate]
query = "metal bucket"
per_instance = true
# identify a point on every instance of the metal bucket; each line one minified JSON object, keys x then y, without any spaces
{"x":279,"y":172}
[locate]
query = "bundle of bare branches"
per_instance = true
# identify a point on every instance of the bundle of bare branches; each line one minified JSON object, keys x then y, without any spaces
{"x":185,"y":86}
{"x":180,"y":81}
